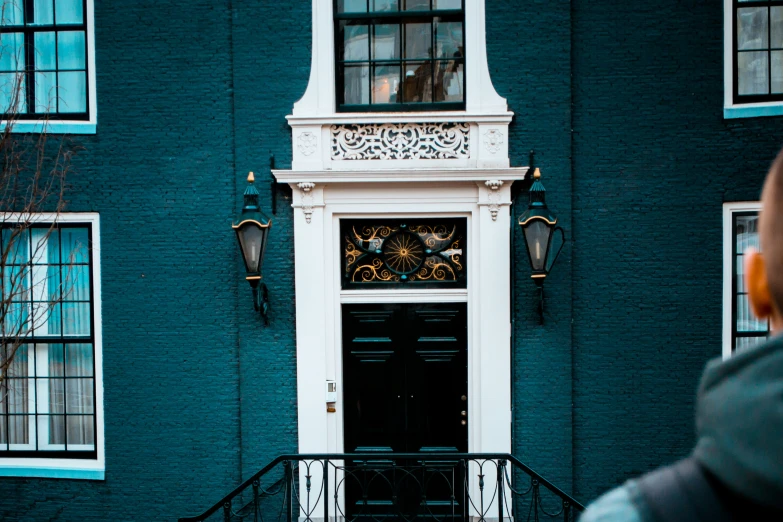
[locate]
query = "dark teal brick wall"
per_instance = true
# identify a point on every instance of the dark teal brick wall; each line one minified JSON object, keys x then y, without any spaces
{"x":653,"y":162}
{"x":623,"y":105}
{"x":529,"y":53}
{"x":161,"y":173}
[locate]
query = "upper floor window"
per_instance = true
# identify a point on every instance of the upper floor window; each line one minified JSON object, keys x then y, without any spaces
{"x":44,"y":60}
{"x":743,"y":330}
{"x":400,"y":55}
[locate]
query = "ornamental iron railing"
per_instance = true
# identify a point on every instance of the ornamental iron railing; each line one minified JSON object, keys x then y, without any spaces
{"x":376,"y":487}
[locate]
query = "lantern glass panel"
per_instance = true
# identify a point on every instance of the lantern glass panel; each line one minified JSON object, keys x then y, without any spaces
{"x":252,"y":239}
{"x":537,"y":236}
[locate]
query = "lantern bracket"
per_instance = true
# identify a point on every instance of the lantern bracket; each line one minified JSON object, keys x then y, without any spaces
{"x":261,"y":301}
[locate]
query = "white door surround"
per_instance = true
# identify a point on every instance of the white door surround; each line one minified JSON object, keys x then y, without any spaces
{"x":318,"y":207}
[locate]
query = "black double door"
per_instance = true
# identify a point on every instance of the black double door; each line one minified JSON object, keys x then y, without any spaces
{"x":405,"y":390}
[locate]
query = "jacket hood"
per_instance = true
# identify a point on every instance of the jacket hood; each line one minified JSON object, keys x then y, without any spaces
{"x":739,"y":422}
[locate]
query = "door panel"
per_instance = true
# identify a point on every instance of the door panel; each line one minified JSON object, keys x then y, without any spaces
{"x":404,"y":379}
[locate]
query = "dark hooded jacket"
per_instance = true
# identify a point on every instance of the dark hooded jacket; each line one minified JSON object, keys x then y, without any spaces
{"x":739,"y":426}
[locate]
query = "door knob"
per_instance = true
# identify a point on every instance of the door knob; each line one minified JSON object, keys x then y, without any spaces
{"x":464,"y":398}
{"x":463,"y":422}
{"x":464,"y":413}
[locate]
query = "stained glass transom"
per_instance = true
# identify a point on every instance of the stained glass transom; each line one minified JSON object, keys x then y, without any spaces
{"x":424,"y":252}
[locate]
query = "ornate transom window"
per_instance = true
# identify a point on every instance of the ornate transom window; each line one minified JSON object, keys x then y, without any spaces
{"x":395,"y":55}
{"x":423,"y":252}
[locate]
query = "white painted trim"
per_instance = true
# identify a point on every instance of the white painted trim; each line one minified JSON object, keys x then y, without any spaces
{"x":739,"y":110}
{"x":72,"y":468}
{"x":65,"y":126}
{"x":728,"y":238}
{"x":395,"y":175}
{"x":404,"y":296}
{"x":319,"y":297}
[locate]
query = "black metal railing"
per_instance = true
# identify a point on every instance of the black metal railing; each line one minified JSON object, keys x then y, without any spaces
{"x":376,"y":487}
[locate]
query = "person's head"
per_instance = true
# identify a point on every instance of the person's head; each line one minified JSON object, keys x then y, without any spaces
{"x":764,"y":270}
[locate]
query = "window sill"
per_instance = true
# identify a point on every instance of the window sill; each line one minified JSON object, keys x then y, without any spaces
{"x":54,"y":127}
{"x":56,"y":472}
{"x":755,"y":110}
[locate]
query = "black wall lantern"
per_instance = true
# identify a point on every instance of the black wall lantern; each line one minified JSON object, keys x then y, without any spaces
{"x":252,"y":228}
{"x":539,"y":226}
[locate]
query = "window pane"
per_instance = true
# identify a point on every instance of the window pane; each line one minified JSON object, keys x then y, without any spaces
{"x":417,"y":5}
{"x":752,"y":29}
{"x":45,"y":56}
{"x":448,"y":39}
{"x":449,"y":81}
{"x":776,"y":27}
{"x":777,"y":72}
{"x":740,"y":273}
{"x":72,"y":91}
{"x":46,"y":92}
{"x":17,"y":319}
{"x":78,"y":396}
{"x":746,"y":233}
{"x":385,"y":81}
{"x":56,"y":429}
{"x":417,"y":86}
{"x":418,"y":40}
{"x":746,"y":321}
{"x":356,"y":45}
{"x":11,"y":52}
{"x":384,"y":5}
{"x":69,"y":11}
{"x":78,"y":360}
{"x":753,"y":69}
{"x":75,"y":245}
{"x":56,"y":396}
{"x":12,"y":97}
{"x":12,"y":13}
{"x":21,"y":361}
{"x":46,"y":246}
{"x":76,"y":283}
{"x":386,"y":42}
{"x":56,"y":361}
{"x":447,"y":4}
{"x":70,"y":50}
{"x":16,"y":241}
{"x":351,"y":6}
{"x":356,"y":85}
{"x":80,"y":429}
{"x":745,"y":343}
{"x":76,"y":318}
{"x":43,"y":12}
{"x":16,"y":283}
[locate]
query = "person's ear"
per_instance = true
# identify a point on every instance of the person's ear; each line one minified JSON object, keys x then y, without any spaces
{"x":757,"y":285}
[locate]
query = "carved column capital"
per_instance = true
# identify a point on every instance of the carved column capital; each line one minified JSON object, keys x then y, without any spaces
{"x":307,"y":197}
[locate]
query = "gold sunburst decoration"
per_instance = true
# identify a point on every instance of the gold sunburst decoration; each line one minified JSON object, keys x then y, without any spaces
{"x":403,"y":252}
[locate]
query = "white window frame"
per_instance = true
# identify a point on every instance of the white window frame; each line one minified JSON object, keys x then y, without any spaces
{"x":43,"y":467}
{"x":731,"y":109}
{"x":728,"y":277}
{"x":63,"y":125}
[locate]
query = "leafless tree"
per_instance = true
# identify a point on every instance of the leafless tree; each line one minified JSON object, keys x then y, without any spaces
{"x":33,"y":171}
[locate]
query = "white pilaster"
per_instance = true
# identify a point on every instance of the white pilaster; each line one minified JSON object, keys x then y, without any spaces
{"x":310,"y":325}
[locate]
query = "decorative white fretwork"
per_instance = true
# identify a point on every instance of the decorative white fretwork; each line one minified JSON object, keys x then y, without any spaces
{"x":307,"y":143}
{"x":401,"y":141}
{"x":493,"y":139}
{"x":494,"y":197}
{"x":307,"y":199}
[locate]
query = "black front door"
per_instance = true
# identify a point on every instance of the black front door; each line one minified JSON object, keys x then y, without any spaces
{"x":405,"y":390}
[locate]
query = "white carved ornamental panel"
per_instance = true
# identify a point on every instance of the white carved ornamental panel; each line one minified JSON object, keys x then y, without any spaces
{"x":400,"y":141}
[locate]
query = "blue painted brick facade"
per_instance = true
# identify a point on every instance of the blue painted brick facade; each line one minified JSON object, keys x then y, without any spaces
{"x":623,"y":105}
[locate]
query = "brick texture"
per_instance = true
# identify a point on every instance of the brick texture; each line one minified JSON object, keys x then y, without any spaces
{"x":623,"y":106}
